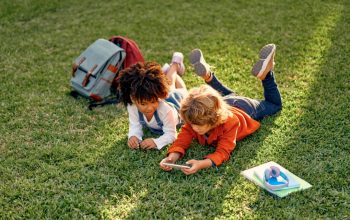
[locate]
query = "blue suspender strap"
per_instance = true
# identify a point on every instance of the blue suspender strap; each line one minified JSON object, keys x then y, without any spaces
{"x":142,"y":120}
{"x":159,"y":123}
{"x":174,"y":100}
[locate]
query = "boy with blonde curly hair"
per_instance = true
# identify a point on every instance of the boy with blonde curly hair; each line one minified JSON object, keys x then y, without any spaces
{"x":216,"y":116}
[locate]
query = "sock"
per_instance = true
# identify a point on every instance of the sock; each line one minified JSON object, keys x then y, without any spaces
{"x":208,"y":77}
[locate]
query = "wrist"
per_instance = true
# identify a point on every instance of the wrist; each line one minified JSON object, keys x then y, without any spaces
{"x":174,"y":156}
{"x":206,"y":163}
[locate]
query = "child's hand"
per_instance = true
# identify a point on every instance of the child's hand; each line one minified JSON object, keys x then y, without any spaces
{"x":196,"y":166}
{"x":148,"y":144}
{"x":133,"y":142}
{"x":172,"y":158}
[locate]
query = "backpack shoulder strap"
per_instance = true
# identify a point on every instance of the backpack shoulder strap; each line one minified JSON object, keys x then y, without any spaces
{"x":113,"y":100}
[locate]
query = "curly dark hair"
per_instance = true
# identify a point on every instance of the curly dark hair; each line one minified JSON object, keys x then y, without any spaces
{"x":142,"y":82}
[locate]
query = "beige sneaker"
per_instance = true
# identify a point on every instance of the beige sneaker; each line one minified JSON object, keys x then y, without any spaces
{"x":266,"y":61}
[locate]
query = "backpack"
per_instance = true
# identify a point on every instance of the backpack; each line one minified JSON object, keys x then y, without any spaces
{"x":95,"y":69}
{"x":117,"y":53}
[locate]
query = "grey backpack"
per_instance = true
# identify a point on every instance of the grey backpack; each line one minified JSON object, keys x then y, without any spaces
{"x":95,"y":69}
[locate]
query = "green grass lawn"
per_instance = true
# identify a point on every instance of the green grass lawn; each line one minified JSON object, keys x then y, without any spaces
{"x":60,"y":160}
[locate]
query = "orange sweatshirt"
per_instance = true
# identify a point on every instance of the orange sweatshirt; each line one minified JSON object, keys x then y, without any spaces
{"x":223,"y":137}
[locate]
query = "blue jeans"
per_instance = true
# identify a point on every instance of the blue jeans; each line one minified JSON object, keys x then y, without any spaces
{"x":255,"y":108}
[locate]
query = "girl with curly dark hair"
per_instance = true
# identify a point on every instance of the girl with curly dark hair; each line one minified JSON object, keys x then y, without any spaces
{"x":152,"y":95}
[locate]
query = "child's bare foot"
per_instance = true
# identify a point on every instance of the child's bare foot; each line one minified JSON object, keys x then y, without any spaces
{"x":266,"y":61}
{"x":201,"y":67}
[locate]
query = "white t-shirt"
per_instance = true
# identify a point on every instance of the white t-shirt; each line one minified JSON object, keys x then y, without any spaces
{"x":167,"y":114}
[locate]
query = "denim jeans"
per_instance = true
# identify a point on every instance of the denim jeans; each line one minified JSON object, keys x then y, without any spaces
{"x":255,"y":108}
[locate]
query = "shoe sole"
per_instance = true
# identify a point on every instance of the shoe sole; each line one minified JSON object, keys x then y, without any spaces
{"x":198,"y":62}
{"x":260,"y":68}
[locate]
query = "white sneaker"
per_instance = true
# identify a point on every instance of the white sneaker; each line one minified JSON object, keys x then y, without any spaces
{"x":165,"y":68}
{"x":178,"y":58}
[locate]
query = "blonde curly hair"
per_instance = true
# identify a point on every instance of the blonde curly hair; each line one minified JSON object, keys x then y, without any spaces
{"x":204,"y":106}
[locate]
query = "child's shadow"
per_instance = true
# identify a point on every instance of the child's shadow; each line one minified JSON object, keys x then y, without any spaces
{"x":139,"y":188}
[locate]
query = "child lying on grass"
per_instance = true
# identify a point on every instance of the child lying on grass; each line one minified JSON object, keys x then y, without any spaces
{"x":217,"y":116}
{"x":152,"y":95}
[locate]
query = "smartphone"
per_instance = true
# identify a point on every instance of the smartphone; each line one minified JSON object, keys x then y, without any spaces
{"x":177,"y":166}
